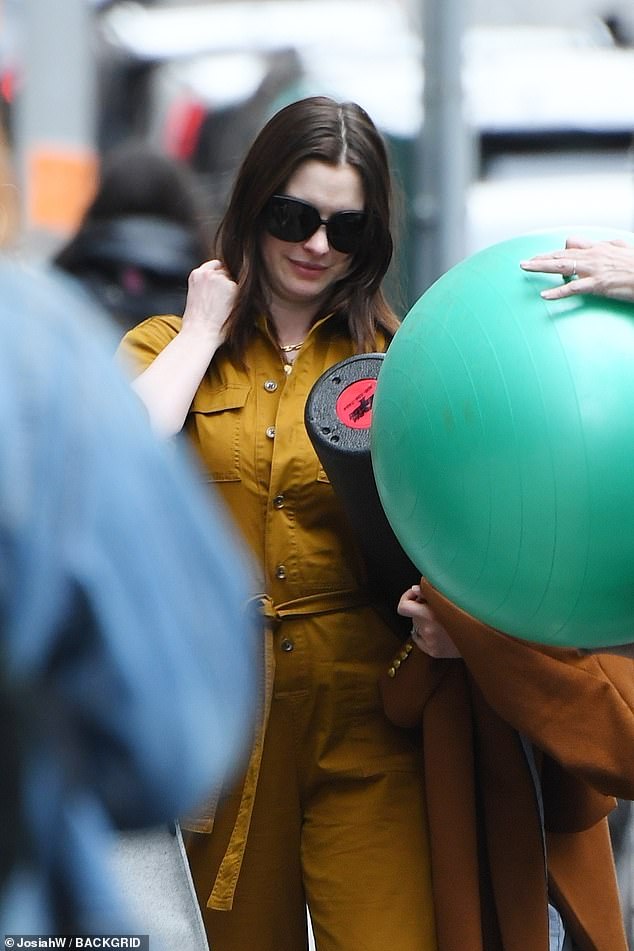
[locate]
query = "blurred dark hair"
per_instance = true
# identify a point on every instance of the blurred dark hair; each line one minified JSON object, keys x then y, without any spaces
{"x":137,"y":179}
{"x":316,"y":128}
{"x":141,"y":236}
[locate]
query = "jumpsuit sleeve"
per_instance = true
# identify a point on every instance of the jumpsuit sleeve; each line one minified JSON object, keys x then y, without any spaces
{"x":143,"y":343}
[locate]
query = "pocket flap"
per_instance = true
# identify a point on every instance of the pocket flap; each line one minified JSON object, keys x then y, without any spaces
{"x":219,"y":398}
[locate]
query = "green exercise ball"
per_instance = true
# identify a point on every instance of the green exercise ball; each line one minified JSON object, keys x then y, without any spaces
{"x":502,"y":443}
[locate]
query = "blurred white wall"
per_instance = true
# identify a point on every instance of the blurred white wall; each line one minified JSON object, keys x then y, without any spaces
{"x":545,"y":11}
{"x":560,"y":13}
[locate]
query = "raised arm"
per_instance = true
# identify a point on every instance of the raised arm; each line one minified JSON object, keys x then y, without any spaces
{"x":168,"y":385}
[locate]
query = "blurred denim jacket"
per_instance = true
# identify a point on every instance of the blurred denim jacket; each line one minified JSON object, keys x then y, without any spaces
{"x":128,"y":663}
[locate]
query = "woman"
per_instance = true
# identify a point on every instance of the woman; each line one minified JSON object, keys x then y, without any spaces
{"x":330,"y":813}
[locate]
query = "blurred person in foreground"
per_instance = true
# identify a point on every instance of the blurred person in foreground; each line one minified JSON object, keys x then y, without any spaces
{"x":330,"y":812}
{"x":600,"y":268}
{"x":140,"y":237}
{"x":122,"y":605}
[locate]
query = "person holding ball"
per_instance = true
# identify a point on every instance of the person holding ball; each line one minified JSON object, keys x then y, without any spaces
{"x":601,"y":268}
{"x":501,"y":459}
{"x":525,"y":747}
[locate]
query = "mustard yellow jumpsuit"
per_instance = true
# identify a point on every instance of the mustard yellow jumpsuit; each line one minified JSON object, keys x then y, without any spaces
{"x":330,"y":812}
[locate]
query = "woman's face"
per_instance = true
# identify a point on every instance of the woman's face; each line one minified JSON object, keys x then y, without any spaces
{"x":301,"y":273}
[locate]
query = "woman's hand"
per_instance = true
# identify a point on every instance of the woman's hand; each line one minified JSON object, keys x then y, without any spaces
{"x":211,"y":295}
{"x":601,"y":268}
{"x":428,"y":635}
{"x":169,"y":384}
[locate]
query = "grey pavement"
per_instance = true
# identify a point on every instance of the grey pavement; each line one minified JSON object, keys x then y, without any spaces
{"x":625,"y":870}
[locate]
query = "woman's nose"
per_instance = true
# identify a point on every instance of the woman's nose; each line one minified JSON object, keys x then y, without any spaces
{"x":318,"y":241}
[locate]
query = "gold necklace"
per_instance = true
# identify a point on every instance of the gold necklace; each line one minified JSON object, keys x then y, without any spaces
{"x":292,"y":347}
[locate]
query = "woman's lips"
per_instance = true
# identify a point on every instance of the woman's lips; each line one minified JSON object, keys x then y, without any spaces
{"x":308,"y":268}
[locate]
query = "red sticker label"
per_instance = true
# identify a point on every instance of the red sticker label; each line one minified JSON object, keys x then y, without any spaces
{"x":354,"y":406}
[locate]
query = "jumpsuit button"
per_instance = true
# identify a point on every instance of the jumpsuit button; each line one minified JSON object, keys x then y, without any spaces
{"x":287,"y":645}
{"x":270,"y":432}
{"x":280,"y":572}
{"x":270,"y":386}
{"x":278,"y":502}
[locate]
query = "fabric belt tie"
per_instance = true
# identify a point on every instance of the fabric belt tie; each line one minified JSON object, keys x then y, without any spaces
{"x":223,"y":891}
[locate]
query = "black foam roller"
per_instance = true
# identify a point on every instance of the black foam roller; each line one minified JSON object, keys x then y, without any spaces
{"x":338,"y":415}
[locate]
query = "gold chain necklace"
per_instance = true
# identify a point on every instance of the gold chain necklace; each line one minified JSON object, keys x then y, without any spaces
{"x":292,"y":347}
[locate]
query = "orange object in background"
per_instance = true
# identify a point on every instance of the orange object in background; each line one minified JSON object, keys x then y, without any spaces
{"x":61,"y":183}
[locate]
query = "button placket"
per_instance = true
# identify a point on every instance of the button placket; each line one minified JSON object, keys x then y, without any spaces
{"x":282,"y":399}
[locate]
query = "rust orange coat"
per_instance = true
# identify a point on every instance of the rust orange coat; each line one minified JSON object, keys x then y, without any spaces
{"x":487,"y":850}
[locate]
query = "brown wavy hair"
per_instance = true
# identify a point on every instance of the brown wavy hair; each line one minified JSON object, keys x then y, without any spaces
{"x":322,"y":129}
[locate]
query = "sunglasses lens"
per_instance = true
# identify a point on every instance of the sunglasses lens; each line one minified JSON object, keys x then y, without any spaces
{"x":345,"y":230}
{"x":290,"y":219}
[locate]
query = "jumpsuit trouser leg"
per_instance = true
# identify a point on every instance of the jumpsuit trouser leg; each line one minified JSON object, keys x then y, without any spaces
{"x":338,"y":821}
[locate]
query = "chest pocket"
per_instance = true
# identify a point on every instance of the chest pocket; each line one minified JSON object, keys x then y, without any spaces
{"x":214,"y":425}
